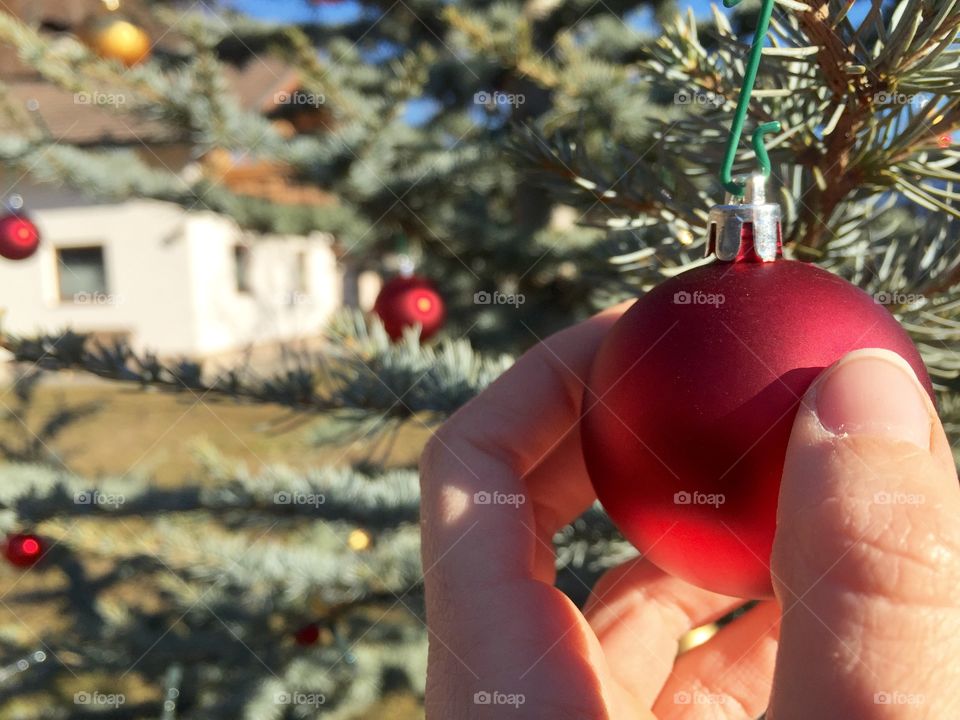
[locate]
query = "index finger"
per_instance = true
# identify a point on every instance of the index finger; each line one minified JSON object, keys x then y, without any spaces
{"x":481,"y":476}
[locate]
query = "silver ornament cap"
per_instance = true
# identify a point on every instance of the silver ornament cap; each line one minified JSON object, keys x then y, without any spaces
{"x":748,"y":230}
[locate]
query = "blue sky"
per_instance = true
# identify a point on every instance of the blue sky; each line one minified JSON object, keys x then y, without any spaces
{"x":338,"y":11}
{"x":297,"y":10}
{"x":333,"y":12}
{"x":418,"y":110}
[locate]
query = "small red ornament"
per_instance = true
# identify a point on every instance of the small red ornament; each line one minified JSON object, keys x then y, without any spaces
{"x":19,"y":237}
{"x":307,"y":635}
{"x":23,"y":549}
{"x":693,"y":393}
{"x":408,"y":300}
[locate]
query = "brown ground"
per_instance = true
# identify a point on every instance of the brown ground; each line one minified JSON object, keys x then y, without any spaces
{"x":157,"y":432}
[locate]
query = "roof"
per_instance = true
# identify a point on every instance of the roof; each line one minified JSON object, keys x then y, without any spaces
{"x":91,"y":119}
{"x":256,"y":83}
{"x":65,"y":15}
{"x":265,"y":179}
{"x":79,"y":119}
{"x":65,"y":12}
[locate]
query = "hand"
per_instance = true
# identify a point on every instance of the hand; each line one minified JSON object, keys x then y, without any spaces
{"x":866,"y":565}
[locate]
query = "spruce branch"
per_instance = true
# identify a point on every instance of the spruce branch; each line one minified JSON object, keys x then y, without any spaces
{"x":508,"y":38}
{"x":361,"y":369}
{"x":847,"y":136}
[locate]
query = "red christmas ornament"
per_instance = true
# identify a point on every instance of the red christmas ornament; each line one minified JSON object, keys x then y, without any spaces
{"x":23,"y":549}
{"x":307,"y":635}
{"x":693,"y":393}
{"x":405,"y":301}
{"x":19,"y":237}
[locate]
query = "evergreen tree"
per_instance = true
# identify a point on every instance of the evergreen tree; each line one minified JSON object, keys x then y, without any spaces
{"x":560,"y":153}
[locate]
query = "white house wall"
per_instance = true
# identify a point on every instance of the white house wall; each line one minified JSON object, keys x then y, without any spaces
{"x":171,"y":280}
{"x":274,"y":310}
{"x":145,"y":264}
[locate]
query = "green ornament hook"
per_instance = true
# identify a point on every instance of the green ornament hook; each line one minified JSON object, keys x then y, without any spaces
{"x":736,"y":127}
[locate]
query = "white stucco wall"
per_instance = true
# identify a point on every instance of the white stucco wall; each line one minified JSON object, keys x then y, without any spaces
{"x":145,"y":262}
{"x":274,"y":309}
{"x":171,"y":280}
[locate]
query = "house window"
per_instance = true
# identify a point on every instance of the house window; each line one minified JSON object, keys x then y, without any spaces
{"x":82,"y":273}
{"x":241,"y":260}
{"x":300,"y":274}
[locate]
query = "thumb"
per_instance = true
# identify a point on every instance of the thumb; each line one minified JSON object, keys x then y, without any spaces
{"x":866,"y":558}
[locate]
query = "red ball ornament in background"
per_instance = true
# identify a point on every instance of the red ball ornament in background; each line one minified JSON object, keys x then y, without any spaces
{"x":19,"y":238}
{"x":307,"y":635}
{"x":408,"y":300}
{"x":23,"y":549}
{"x":692,"y":397}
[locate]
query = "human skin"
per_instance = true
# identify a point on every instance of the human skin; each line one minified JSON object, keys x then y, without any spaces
{"x":865,"y":566}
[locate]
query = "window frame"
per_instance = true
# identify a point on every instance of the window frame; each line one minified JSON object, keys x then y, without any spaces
{"x":61,"y":266}
{"x":242,"y":256}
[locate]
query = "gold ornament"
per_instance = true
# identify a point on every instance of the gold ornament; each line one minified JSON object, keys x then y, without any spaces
{"x":113,"y":38}
{"x":359,"y":540}
{"x":696,"y":637}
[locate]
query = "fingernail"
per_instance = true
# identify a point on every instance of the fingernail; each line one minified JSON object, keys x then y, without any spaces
{"x":874,"y":392}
